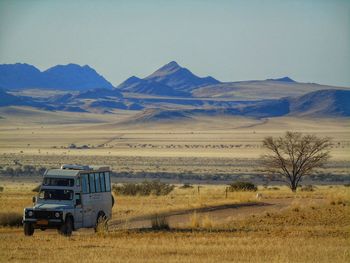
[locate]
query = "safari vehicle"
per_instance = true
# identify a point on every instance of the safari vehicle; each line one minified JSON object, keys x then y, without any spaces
{"x":70,"y":198}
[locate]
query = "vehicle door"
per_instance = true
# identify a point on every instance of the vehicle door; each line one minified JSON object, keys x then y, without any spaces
{"x":78,"y":211}
{"x":88,"y":189}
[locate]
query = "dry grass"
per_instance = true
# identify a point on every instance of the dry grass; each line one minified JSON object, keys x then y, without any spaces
{"x":178,"y":199}
{"x":10,"y":219}
{"x":309,"y":230}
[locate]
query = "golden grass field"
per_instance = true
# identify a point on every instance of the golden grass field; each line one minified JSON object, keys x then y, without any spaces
{"x":301,"y":227}
{"x":309,"y":227}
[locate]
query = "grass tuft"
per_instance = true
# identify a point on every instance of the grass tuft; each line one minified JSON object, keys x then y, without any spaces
{"x":242,"y":186}
{"x":143,"y":189}
{"x":10,"y":219}
{"x":160,"y":223}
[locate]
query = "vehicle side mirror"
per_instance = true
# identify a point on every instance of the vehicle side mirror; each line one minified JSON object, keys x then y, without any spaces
{"x":77,"y":202}
{"x":34,"y":199}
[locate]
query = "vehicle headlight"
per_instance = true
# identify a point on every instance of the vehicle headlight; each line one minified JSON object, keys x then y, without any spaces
{"x":30,"y":213}
{"x":57,"y":214}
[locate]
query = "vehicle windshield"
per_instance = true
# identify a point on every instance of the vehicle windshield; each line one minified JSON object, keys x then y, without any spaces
{"x":49,"y":181}
{"x":56,"y":194}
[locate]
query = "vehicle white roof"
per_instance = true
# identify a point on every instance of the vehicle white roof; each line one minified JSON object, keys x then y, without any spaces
{"x":62,"y":172}
{"x":73,"y":170}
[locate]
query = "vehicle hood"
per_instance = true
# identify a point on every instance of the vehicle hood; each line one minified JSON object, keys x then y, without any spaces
{"x":52,"y":206}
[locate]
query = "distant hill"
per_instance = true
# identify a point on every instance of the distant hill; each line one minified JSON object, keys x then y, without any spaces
{"x":259,"y":89}
{"x":60,"y":77}
{"x":324,"y":103}
{"x":169,"y":80}
{"x":99,"y":93}
{"x":179,"y":78}
{"x":174,"y":80}
{"x":7,"y":99}
{"x":284,"y":79}
{"x":137,"y":85}
{"x":19,"y":76}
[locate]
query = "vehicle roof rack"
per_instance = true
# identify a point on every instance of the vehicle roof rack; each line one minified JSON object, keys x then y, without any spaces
{"x":84,"y":167}
{"x":75,"y":167}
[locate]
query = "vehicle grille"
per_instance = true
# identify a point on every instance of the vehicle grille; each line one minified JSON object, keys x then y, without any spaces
{"x":44,"y":214}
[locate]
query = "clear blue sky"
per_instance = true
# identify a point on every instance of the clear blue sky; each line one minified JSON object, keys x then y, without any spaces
{"x":230,"y":40}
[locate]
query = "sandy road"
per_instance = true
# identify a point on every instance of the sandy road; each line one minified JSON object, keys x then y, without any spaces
{"x":181,"y":218}
{"x":219,"y":214}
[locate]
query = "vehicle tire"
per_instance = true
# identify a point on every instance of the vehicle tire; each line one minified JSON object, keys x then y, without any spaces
{"x":67,"y":228}
{"x":101,"y":223}
{"x":28,"y":229}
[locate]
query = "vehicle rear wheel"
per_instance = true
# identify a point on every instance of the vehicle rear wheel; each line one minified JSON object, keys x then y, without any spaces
{"x":67,"y":228}
{"x":28,"y":229}
{"x":113,"y":201}
{"x":101,"y":223}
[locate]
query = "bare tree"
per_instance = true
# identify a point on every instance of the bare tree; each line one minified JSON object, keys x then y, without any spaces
{"x":294,"y":156}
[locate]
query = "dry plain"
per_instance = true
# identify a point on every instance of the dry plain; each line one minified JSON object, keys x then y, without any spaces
{"x":302,"y":227}
{"x":309,"y":227}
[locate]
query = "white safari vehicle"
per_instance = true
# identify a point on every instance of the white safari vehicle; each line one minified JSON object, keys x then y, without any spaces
{"x":70,"y":198}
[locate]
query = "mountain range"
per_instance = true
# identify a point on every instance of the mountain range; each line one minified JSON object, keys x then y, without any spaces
{"x":169,"y":80}
{"x":60,"y":77}
{"x":171,"y":92}
{"x":324,"y":103}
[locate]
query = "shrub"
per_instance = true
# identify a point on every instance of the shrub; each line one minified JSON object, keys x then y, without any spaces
{"x":242,"y":186}
{"x":1,"y":188}
{"x":185,"y":186}
{"x":160,"y":223}
{"x":144,"y":188}
{"x":10,"y":219}
{"x":307,"y":188}
{"x":347,"y":185}
{"x":273,"y":188}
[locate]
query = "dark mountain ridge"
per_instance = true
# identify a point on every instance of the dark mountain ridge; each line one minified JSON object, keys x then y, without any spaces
{"x":169,"y":80}
{"x":60,"y":77}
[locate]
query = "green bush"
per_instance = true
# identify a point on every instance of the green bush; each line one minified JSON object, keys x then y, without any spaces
{"x":144,"y":188}
{"x":242,"y":186}
{"x":1,"y":188}
{"x":10,"y":219}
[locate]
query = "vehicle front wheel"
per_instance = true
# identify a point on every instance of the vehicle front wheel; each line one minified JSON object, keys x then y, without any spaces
{"x":101,"y":224}
{"x":67,"y":228}
{"x":28,"y":229}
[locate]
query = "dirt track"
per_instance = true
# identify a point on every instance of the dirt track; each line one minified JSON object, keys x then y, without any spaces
{"x":219,"y":213}
{"x":181,"y":218}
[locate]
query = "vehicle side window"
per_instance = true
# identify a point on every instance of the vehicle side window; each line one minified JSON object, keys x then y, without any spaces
{"x":108,"y":182}
{"x":102,"y":181}
{"x":97,"y":183}
{"x":77,"y":199}
{"x":92,"y":182}
{"x":85,"y":183}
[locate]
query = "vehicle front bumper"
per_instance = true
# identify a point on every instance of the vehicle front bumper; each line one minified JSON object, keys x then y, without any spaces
{"x":43,"y":223}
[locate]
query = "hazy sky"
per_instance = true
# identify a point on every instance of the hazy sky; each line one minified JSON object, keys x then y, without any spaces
{"x":230,"y":40}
